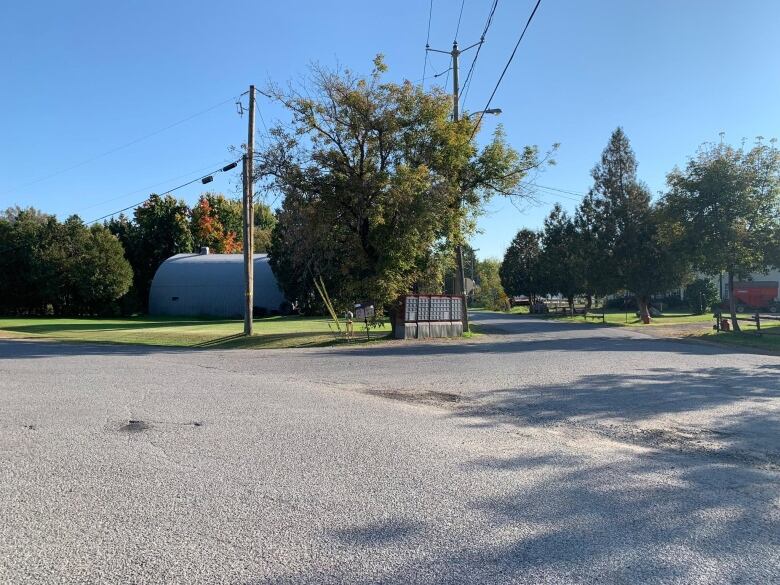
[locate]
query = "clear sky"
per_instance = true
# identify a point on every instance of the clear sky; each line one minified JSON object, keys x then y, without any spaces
{"x":81,"y":78}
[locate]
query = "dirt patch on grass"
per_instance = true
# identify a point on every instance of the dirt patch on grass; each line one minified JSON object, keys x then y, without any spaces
{"x":678,"y":331}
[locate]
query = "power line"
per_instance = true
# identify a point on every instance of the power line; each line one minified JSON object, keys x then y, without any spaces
{"x":559,"y":190}
{"x":147,"y":188}
{"x":265,"y":136}
{"x":467,"y":83}
{"x":226,"y":168}
{"x":427,"y":42}
{"x":457,"y":29}
{"x":121,"y":147}
{"x":223,"y":169}
{"x":435,"y":75}
{"x":501,"y":77}
{"x":564,"y":193}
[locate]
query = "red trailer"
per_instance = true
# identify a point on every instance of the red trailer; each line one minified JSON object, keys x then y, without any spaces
{"x":757,"y":295}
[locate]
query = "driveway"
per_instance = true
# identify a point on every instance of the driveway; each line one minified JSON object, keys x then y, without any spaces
{"x":543,"y":453}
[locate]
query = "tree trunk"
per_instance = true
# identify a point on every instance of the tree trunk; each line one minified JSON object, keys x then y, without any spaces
{"x":571,"y":305}
{"x":644,"y":309}
{"x":732,"y":303}
{"x":588,"y":301}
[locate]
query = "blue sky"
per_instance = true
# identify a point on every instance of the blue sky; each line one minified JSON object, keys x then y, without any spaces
{"x":81,"y":78}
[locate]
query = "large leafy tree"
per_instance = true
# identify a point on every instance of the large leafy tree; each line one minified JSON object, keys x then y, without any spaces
{"x":159,"y":230}
{"x":725,"y":207}
{"x":87,"y":268}
{"x":21,"y":243}
{"x":446,"y":263}
{"x":65,"y":268}
{"x":216,"y":222}
{"x":520,"y":268}
{"x":377,"y":183}
{"x":490,"y":293}
{"x":265,"y":220}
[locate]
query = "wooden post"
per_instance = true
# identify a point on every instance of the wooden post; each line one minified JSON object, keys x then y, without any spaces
{"x":248,"y":205}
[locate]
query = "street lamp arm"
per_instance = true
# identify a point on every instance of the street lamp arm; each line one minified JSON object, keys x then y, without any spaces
{"x":493,"y":111}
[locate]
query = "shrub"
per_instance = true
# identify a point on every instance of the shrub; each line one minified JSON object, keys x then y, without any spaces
{"x":701,"y":295}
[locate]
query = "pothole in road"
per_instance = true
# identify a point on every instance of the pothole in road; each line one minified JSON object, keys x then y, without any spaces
{"x":134,"y":426}
{"x":137,"y":425}
{"x":432,"y":397}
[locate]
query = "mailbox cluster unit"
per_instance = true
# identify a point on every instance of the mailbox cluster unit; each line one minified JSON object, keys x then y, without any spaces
{"x":425,"y":316}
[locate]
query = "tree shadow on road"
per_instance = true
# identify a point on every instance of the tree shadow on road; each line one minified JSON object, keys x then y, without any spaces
{"x":572,"y":519}
{"x":627,"y":409}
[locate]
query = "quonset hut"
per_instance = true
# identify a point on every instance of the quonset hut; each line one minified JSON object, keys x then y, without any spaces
{"x":212,"y":285}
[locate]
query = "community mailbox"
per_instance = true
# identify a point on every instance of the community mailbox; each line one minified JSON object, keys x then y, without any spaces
{"x":425,"y":316}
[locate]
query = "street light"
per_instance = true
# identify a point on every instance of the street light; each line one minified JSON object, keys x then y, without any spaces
{"x":492,"y":111}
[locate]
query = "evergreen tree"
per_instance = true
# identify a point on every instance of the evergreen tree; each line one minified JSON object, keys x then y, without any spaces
{"x":520,"y":268}
{"x":629,"y":253}
{"x":589,"y":266}
{"x":559,"y":259}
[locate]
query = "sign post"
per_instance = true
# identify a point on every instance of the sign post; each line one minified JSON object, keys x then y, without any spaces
{"x":365,"y":311}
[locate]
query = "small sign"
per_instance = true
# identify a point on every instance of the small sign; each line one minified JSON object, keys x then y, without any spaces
{"x":364,"y":311}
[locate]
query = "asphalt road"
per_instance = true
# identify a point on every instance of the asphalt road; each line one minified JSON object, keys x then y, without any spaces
{"x":544,"y":453}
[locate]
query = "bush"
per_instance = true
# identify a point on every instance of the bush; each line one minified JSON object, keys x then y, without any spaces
{"x":621,"y":303}
{"x":701,"y":295}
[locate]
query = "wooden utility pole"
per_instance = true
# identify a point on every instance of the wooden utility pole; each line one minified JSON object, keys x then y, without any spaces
{"x":249,"y":220}
{"x":460,"y":281}
{"x":460,"y":277}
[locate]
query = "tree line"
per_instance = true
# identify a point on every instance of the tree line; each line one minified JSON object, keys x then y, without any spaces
{"x":377,"y":184}
{"x":719,"y":214}
{"x":70,"y":268}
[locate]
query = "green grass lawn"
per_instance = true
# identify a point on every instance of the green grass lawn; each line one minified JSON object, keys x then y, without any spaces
{"x":770,"y":342}
{"x":686,"y":327}
{"x":622,"y":319}
{"x":748,"y":337}
{"x":273,"y":332}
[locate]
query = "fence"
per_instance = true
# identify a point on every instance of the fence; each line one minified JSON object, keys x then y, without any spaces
{"x":595,"y":314}
{"x":754,"y":320}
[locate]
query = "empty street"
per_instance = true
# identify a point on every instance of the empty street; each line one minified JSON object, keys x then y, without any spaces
{"x":543,"y":452}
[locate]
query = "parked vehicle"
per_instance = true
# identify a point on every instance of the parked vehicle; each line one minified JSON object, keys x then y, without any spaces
{"x":757,"y":295}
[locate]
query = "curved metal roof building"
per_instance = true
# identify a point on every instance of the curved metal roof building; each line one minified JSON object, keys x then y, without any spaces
{"x":211,"y":285}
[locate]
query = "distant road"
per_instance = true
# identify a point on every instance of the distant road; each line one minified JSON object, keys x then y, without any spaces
{"x":546,"y":452}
